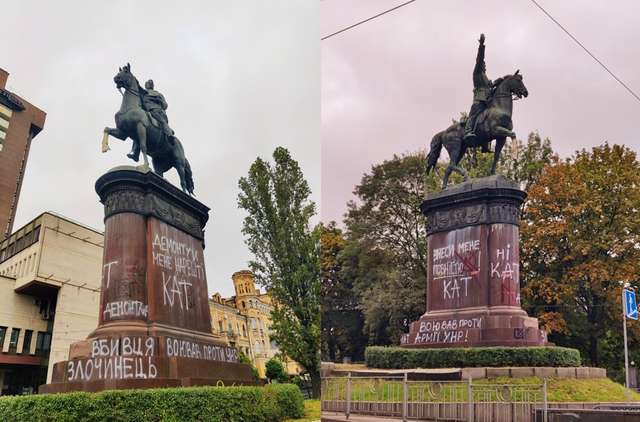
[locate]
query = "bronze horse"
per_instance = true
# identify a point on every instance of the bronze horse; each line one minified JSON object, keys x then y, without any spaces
{"x":132,"y":121}
{"x":492,"y":123}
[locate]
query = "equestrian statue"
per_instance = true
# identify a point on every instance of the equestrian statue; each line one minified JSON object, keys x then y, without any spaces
{"x":143,"y":119}
{"x":489,"y":119}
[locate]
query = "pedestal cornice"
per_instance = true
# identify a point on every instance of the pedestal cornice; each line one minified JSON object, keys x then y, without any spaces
{"x":129,"y":189}
{"x":488,"y":200}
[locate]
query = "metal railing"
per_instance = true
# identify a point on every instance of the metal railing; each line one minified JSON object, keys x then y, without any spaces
{"x":397,"y":396}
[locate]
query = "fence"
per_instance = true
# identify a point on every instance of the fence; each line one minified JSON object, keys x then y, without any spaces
{"x":396,"y":396}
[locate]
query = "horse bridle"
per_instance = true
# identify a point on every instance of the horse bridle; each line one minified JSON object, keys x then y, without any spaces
{"x":513,"y":96}
{"x":131,"y":91}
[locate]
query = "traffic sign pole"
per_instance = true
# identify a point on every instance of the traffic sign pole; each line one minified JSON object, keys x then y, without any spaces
{"x":626,"y":350}
{"x":629,"y":310}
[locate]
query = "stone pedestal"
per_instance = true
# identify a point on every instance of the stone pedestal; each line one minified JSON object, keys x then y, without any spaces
{"x":473,"y":286}
{"x":154,"y":326}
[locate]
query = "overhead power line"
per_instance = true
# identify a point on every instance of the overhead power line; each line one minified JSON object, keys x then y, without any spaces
{"x":366,"y":20}
{"x":587,"y":50}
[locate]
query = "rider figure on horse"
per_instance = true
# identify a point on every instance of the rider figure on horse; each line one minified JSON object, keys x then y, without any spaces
{"x":482,"y":91}
{"x":153,"y":102}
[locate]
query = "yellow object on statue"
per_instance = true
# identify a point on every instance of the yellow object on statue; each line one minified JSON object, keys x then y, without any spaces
{"x":105,"y":142}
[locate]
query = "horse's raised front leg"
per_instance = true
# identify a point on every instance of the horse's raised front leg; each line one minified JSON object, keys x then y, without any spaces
{"x":116,"y":133}
{"x":141,"y":131}
{"x":496,"y":155}
{"x":501,"y":131}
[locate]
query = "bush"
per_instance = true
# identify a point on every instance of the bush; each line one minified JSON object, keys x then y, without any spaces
{"x":274,"y":370}
{"x":266,"y":404}
{"x":401,"y":358}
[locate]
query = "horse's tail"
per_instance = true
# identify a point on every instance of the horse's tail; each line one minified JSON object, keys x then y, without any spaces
{"x":434,"y":152}
{"x":188,"y":175}
{"x":182,"y":165}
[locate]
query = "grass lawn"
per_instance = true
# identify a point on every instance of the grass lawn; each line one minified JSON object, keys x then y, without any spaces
{"x":311,"y":412}
{"x":558,"y":390}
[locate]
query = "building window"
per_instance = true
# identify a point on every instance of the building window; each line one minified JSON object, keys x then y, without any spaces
{"x":221,"y":326}
{"x":3,"y":332}
{"x":13,"y":341}
{"x":43,"y":343}
{"x":26,"y":345}
{"x":244,"y":330}
{"x":19,"y":244}
{"x":5,"y":117}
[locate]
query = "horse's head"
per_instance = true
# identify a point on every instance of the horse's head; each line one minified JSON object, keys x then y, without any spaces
{"x":513,"y":83}
{"x":124,"y":78}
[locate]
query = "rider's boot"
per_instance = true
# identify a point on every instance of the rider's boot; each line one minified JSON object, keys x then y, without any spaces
{"x":476,"y":108}
{"x":485,"y":147}
{"x":468,"y":130}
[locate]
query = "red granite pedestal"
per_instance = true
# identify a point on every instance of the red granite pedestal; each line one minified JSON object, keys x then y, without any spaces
{"x":154,"y":326}
{"x":473,"y":285}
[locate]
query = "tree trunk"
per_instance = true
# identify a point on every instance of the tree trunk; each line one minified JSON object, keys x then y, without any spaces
{"x":315,"y":384}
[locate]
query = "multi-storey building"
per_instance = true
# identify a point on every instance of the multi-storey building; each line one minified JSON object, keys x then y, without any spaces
{"x":20,"y":122}
{"x":244,"y":321}
{"x":49,"y":294}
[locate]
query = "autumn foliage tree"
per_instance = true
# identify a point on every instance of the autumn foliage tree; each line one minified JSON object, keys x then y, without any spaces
{"x":580,"y":243}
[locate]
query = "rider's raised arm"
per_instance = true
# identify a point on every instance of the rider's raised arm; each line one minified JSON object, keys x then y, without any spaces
{"x":480,"y":65}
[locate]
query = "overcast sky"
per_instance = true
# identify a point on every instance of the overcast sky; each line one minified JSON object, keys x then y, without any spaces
{"x":390,"y":84}
{"x":240,"y":77}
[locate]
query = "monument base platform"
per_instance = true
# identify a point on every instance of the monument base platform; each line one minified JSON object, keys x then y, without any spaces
{"x":496,"y":326}
{"x":210,"y":373}
{"x":147,"y":361}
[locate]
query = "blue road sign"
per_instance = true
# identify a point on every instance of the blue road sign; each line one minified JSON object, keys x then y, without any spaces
{"x":630,"y":305}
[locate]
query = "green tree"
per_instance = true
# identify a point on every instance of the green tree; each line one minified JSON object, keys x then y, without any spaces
{"x":384,"y":256}
{"x":274,"y":370}
{"x":342,"y":320}
{"x":579,"y":244}
{"x":286,"y":254}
